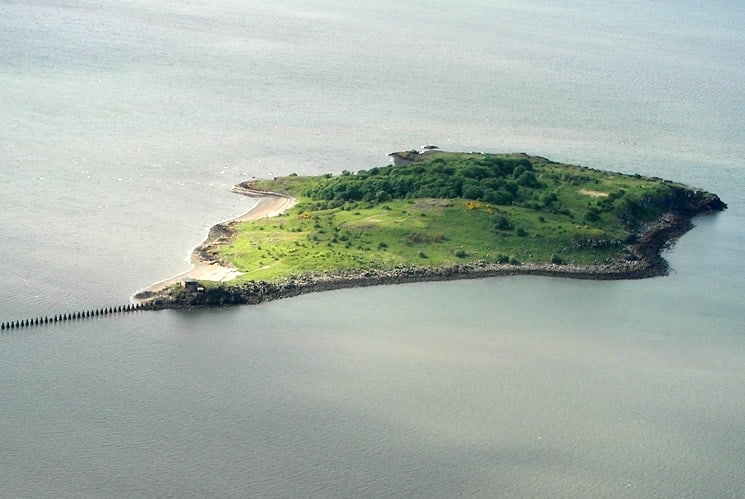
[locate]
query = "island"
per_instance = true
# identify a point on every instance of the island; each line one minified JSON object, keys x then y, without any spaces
{"x":435,"y":215}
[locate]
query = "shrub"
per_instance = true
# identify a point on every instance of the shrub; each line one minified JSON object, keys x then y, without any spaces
{"x":472,"y":192}
{"x":592,"y":215}
{"x":502,"y":223}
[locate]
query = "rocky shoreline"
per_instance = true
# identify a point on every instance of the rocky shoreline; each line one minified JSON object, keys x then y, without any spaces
{"x":644,"y":260}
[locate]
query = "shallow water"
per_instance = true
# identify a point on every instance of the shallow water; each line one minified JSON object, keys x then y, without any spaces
{"x":124,"y":126}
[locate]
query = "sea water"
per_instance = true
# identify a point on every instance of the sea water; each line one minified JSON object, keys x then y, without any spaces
{"x":124,"y":125}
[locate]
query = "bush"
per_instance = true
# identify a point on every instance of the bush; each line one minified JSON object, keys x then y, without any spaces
{"x":592,"y":215}
{"x":556,"y":259}
{"x":472,"y":192}
{"x":502,"y":223}
{"x":460,"y":253}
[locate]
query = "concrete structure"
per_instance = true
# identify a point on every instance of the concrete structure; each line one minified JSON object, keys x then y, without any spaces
{"x":403,"y":158}
{"x":192,"y":285}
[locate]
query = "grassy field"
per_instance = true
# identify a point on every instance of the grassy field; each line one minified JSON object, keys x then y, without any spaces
{"x":530,"y":210}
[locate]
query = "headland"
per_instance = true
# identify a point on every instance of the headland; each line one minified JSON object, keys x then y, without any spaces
{"x":206,"y":264}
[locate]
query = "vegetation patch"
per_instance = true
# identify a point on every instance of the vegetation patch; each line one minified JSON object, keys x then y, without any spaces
{"x":449,"y":209}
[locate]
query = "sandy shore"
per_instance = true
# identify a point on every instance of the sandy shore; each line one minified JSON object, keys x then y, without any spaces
{"x":269,"y":204}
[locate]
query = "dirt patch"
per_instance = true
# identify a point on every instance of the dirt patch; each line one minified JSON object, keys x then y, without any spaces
{"x":595,"y":194}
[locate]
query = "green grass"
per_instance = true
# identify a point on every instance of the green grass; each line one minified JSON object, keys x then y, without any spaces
{"x":571,"y":215}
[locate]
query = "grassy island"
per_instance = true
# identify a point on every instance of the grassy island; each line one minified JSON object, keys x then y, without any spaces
{"x":449,"y":215}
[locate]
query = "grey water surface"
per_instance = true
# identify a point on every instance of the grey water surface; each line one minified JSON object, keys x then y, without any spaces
{"x":123,"y":127}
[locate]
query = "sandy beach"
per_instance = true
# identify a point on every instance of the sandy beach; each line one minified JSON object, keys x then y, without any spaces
{"x":269,"y":204}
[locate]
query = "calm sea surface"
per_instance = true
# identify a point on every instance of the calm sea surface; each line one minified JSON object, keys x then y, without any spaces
{"x":124,"y":125}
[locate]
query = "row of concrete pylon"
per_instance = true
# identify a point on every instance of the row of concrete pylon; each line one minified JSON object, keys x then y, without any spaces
{"x":72,"y":316}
